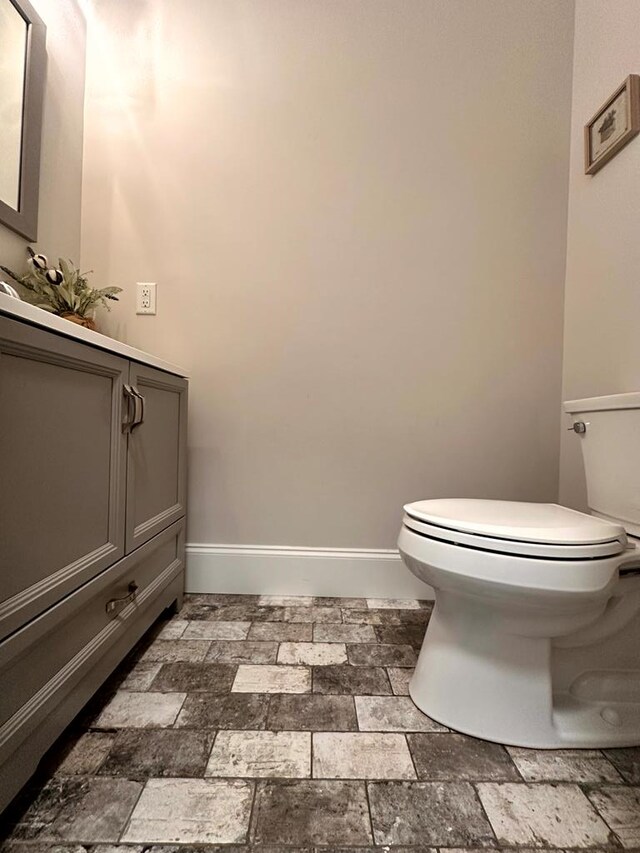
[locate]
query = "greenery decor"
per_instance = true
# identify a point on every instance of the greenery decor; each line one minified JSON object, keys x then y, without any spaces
{"x":63,"y":290}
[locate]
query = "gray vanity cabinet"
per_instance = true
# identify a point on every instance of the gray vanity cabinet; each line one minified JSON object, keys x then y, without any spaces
{"x":92,"y":525}
{"x":156,"y":473}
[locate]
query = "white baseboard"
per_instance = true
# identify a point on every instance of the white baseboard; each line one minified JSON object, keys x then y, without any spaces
{"x":273,"y":570}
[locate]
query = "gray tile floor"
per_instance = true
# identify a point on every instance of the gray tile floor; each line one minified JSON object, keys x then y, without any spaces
{"x":267,"y":723}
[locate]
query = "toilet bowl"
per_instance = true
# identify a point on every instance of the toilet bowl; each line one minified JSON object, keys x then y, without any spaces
{"x":535,"y":635}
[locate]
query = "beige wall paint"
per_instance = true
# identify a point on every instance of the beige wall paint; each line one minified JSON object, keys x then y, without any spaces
{"x":355,"y":213}
{"x":61,"y":162}
{"x":602,"y":343}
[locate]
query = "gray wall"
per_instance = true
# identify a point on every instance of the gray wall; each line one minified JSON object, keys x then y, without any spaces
{"x":355,"y":213}
{"x":61,"y":164}
{"x":602,"y":309}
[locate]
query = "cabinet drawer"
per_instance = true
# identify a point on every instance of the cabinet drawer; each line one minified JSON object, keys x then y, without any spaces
{"x":44,"y":661}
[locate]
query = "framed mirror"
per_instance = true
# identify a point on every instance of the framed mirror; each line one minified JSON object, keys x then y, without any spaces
{"x":22,"y":76}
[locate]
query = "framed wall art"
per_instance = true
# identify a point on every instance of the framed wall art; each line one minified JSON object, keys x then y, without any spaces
{"x":613,"y":126}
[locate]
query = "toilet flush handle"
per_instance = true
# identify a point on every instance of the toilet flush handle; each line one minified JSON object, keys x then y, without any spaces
{"x":579,"y":427}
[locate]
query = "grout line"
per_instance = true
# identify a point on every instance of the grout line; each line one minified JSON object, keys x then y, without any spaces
{"x":603,"y":818}
{"x":415,"y":769}
{"x":251,"y":823}
{"x":484,"y":811}
{"x":133,"y":808}
{"x":366,"y":794}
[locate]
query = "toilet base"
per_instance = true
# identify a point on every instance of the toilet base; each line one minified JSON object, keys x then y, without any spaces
{"x":478,"y":680}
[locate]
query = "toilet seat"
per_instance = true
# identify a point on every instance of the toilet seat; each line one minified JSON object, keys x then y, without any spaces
{"x":547,"y":531}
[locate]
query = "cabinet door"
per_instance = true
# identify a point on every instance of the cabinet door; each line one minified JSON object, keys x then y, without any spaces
{"x":156,"y":461}
{"x":62,"y":467}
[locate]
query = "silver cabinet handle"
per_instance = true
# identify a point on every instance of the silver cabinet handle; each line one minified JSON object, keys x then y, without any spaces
{"x":111,"y":605}
{"x":129,"y":418}
{"x":139,"y":408}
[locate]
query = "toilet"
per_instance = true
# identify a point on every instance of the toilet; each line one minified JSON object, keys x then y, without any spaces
{"x":534,"y":639}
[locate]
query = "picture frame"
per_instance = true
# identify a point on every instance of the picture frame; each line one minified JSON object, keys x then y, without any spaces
{"x":613,"y":126}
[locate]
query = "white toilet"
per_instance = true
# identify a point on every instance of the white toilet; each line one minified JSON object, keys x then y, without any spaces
{"x":535,"y":634}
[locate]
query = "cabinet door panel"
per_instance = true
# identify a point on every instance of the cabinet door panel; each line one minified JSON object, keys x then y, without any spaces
{"x":156,"y":462}
{"x":62,"y":463}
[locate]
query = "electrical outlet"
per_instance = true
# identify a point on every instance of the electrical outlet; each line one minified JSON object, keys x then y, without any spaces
{"x":146,"y":297}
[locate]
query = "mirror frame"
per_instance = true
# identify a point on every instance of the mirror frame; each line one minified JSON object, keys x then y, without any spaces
{"x":25,"y":220}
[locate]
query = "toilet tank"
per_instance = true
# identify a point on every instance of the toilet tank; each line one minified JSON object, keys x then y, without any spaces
{"x":611,"y":453}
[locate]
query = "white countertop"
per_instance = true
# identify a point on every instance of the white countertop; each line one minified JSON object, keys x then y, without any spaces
{"x":19,"y":310}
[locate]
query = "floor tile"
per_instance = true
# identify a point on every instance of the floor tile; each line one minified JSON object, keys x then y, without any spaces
{"x":393,"y":604}
{"x":308,"y":812}
{"x":282,"y":632}
{"x":355,"y":616}
{"x":140,"y":753}
{"x":246,"y":613}
{"x":81,"y":809}
{"x":312,"y":712}
{"x":312,"y":653}
{"x":387,"y":617}
{"x":338,"y":633}
{"x":261,"y":754}
{"x":272,"y":679}
{"x":286,"y":600}
{"x":195,"y":678}
{"x":87,"y":754}
{"x":141,"y":676}
{"x":408,"y":635}
{"x":217,"y":599}
{"x":335,"y":601}
{"x":171,"y":651}
{"x":620,"y":807}
{"x":205,"y":630}
{"x":360,"y":755}
{"x":313,"y":614}
{"x":392,"y":714}
{"x":193,"y":611}
{"x":57,"y":847}
{"x":563,"y":765}
{"x":413,"y":849}
{"x":540,"y":815}
{"x":141,"y":710}
{"x":233,"y":711}
{"x":455,"y":757}
{"x":378,"y":655}
{"x":431,"y":813}
{"x":399,"y":679}
{"x":192,"y":811}
{"x":172,"y":630}
{"x":354,"y":680}
{"x":627,"y":761}
{"x":241,"y":651}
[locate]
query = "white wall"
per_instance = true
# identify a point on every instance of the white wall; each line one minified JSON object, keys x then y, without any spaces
{"x":355,"y":213}
{"x":602,"y":308}
{"x":61,"y":162}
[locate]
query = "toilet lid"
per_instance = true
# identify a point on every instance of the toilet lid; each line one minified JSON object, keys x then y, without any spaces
{"x":517,"y":521}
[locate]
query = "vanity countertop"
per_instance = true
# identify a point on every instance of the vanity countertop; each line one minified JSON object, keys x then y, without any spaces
{"x":19,"y":310}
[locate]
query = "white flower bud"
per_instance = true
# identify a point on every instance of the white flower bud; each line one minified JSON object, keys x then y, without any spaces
{"x":40,"y":262}
{"x":54,"y":276}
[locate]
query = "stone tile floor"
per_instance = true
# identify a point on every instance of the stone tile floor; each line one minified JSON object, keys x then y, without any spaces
{"x":271,"y":723}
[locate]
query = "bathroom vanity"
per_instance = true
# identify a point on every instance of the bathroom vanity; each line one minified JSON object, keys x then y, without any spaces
{"x":92,"y":515}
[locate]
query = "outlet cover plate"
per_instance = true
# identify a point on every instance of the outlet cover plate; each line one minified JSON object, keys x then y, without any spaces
{"x":145,"y":297}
